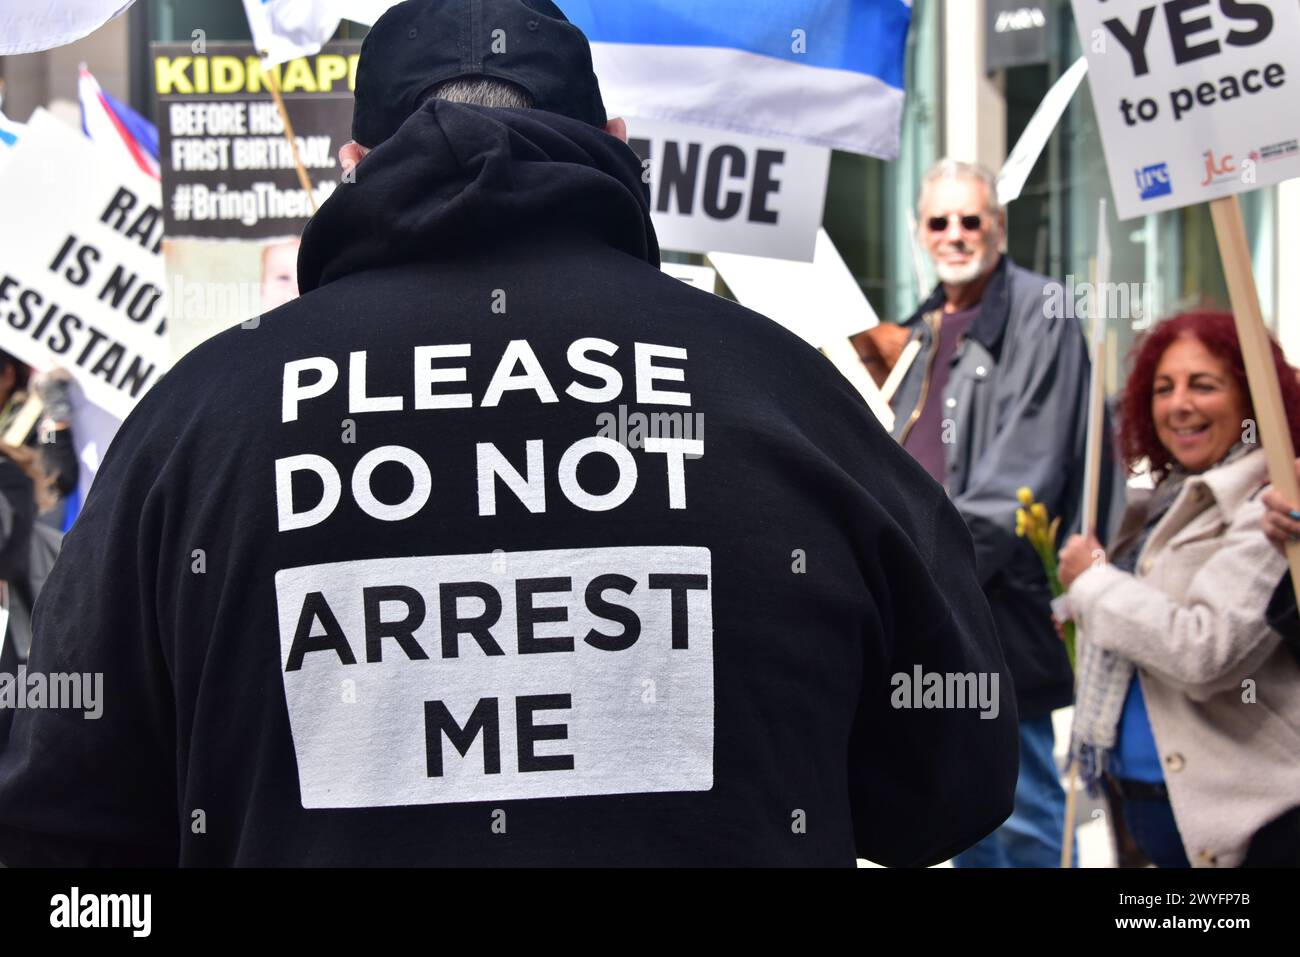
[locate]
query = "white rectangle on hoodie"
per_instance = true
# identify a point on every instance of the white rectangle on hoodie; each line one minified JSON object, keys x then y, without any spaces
{"x":581,"y":704}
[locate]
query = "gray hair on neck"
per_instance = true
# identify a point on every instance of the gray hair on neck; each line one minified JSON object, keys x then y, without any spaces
{"x":957,"y":169}
{"x":481,"y":91}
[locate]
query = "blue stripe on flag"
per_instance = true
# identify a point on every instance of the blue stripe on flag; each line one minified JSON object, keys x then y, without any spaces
{"x":7,"y":138}
{"x":141,"y":130}
{"x":862,"y":36}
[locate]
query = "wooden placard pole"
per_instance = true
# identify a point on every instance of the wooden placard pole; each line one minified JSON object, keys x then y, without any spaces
{"x":846,"y":359}
{"x":1096,"y":429}
{"x":896,"y":374}
{"x":24,"y":420}
{"x":1071,"y":800}
{"x":1091,"y":484}
{"x":273,"y":85}
{"x":1097,"y":382}
{"x":1261,"y":373}
{"x":1092,"y":459}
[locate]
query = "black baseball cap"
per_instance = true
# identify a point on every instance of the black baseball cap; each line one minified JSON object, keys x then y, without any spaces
{"x":418,"y":44}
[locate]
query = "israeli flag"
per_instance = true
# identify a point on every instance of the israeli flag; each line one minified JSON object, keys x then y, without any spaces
{"x":825,"y":72}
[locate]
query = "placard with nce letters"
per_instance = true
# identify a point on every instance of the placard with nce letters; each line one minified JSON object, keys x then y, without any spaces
{"x":720,"y":191}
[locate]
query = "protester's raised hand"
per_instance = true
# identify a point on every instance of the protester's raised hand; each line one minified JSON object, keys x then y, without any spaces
{"x":1080,"y":553}
{"x":54,"y":388}
{"x":1281,"y":521}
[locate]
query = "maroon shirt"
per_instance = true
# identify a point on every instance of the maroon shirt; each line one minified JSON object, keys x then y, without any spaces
{"x":925,"y":439}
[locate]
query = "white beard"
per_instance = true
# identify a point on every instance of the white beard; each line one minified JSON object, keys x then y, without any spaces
{"x":959,"y":275}
{"x":973,"y":270}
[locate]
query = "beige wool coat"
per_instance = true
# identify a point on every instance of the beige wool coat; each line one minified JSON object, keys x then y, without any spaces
{"x":1222,"y":693}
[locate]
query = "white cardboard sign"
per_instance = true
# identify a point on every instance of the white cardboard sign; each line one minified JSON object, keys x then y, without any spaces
{"x":1195,"y":100}
{"x":701,"y":277}
{"x":457,"y":708}
{"x":715,"y":190}
{"x":1015,"y":171}
{"x":81,"y":274}
{"x":819,"y":301}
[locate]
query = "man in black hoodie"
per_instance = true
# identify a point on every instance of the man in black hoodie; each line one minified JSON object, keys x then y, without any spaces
{"x":397,"y":577}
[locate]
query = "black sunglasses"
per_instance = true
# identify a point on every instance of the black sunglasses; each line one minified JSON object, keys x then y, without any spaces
{"x":971,"y":223}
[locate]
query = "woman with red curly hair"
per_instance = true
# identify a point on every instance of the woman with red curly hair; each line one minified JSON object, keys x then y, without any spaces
{"x":1187,"y":702}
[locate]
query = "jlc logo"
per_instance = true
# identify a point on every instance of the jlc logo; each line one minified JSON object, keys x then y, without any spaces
{"x":1154,"y":181}
{"x":1217,"y":169}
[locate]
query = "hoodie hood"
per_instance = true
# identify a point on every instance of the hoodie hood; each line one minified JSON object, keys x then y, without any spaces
{"x":456,"y":178}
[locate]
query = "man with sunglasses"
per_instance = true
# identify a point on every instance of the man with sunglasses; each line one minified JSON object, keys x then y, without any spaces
{"x":995,"y":400}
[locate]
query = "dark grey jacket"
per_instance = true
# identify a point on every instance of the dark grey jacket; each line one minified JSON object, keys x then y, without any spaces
{"x":1015,"y":411}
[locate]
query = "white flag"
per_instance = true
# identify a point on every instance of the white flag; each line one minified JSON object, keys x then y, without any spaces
{"x":29,"y":27}
{"x":1015,"y":172}
{"x":286,"y":29}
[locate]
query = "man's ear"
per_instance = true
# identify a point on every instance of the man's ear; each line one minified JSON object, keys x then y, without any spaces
{"x":617,"y":128}
{"x":351,"y":153}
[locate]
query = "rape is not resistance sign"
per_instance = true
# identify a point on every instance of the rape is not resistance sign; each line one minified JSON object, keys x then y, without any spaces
{"x":81,"y":282}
